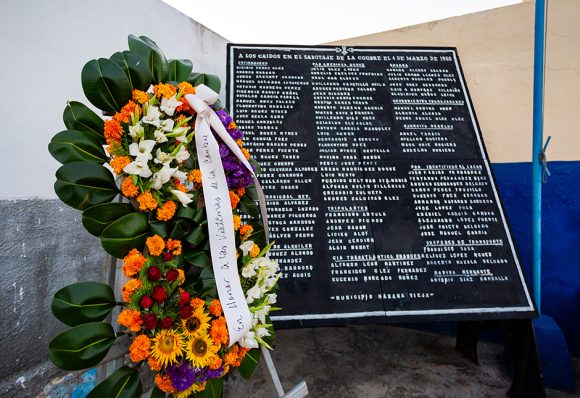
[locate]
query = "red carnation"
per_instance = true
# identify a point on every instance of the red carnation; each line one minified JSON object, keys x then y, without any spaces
{"x":171,"y":275}
{"x":154,"y":274}
{"x":166,"y":323}
{"x":149,"y":320}
{"x":167,"y":256}
{"x":146,"y":302}
{"x":184,"y":298}
{"x":186,"y":312}
{"x":159,"y":294}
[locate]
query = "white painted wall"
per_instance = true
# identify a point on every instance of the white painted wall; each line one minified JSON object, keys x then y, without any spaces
{"x":44,"y":45}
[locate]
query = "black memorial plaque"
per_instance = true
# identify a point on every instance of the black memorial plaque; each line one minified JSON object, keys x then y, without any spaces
{"x":381,"y":198}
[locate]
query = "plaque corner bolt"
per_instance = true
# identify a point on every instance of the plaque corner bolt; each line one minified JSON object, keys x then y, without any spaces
{"x":543,"y":159}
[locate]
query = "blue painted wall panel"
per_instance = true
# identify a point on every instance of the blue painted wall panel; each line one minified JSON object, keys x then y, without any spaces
{"x":560,"y":232}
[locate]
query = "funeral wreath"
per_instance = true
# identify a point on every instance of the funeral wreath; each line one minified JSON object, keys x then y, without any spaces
{"x":165,"y":182}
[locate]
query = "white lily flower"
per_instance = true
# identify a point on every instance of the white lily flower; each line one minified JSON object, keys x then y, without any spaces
{"x":248,"y":271}
{"x":162,"y":177}
{"x":184,"y":198}
{"x":247,"y":247}
{"x":159,"y":136}
{"x":182,"y":155}
{"x":180,"y":134}
{"x":253,"y":293}
{"x":248,"y":341}
{"x":167,"y":125}
{"x":162,"y":157}
{"x":142,"y":150}
{"x":272,"y":298}
{"x":168,"y":105}
{"x":262,"y":313}
{"x":180,"y":175}
{"x":137,"y":131}
{"x":262,"y":332}
{"x":152,"y":116}
{"x":139,"y":168}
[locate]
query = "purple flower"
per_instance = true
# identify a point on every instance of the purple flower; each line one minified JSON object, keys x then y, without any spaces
{"x":182,"y":375}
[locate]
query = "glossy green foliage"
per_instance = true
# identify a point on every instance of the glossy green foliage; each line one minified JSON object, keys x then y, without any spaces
{"x":126,"y":233}
{"x":123,"y":383}
{"x":106,"y":85}
{"x":84,"y":184}
{"x":83,"y":302}
{"x":96,"y":218}
{"x":76,"y":146}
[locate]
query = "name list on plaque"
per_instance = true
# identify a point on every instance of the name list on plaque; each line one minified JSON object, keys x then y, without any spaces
{"x":379,"y":191}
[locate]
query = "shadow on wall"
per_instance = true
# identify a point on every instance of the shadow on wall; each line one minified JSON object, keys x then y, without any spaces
{"x":560,"y":236}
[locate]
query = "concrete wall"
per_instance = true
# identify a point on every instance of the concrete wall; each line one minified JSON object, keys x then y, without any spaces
{"x":496,"y":52}
{"x":43,"y":246}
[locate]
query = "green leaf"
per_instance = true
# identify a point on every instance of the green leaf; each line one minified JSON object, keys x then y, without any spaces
{"x":249,"y":363}
{"x":126,"y":233}
{"x":198,"y":258}
{"x":152,"y":55}
{"x":212,"y":81}
{"x":196,"y":236}
{"x":123,"y":383}
{"x":105,"y":84}
{"x":160,"y":228}
{"x":77,"y":116}
{"x":249,"y":207}
{"x":96,"y":218}
{"x":76,"y":146}
{"x":213,"y":389}
{"x":135,"y":68}
{"x":157,"y":393}
{"x":208,"y":281}
{"x":83,"y":302}
{"x":82,"y":346}
{"x":84,"y":184}
{"x":179,"y":69}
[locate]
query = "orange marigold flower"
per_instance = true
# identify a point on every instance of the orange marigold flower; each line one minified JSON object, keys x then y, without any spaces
{"x":237,"y":222}
{"x":153,"y":364}
{"x":155,"y":244}
{"x":194,"y":176}
{"x":215,"y":307}
{"x":113,"y":131}
{"x":181,"y":277}
{"x":241,"y":191}
{"x":164,"y":90}
{"x":246,"y":153}
{"x":234,"y":199}
{"x":118,"y":163}
{"x":129,"y":288}
{"x":231,"y":357}
{"x":246,"y":229}
{"x":197,"y":302}
{"x":180,"y":118}
{"x":215,"y":363}
{"x":133,"y":262}
{"x":232,"y":125}
{"x":125,"y":113}
{"x":164,"y":384}
{"x":129,"y":189}
{"x":140,"y":96}
{"x":185,"y":88}
{"x":218,"y":331}
{"x":174,"y":245}
{"x":140,"y":349}
{"x":166,"y":212}
{"x":240,"y":143}
{"x":184,"y":107}
{"x":131,"y":319}
{"x":255,"y":251}
{"x":147,"y":201}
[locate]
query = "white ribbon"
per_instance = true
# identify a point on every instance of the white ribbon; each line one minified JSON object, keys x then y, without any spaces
{"x":219,"y":211}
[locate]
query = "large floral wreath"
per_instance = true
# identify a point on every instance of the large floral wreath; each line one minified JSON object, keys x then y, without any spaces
{"x":145,"y":153}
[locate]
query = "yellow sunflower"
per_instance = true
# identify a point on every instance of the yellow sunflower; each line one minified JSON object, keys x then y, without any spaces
{"x":200,"y":350}
{"x":167,"y":346}
{"x":198,"y":322}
